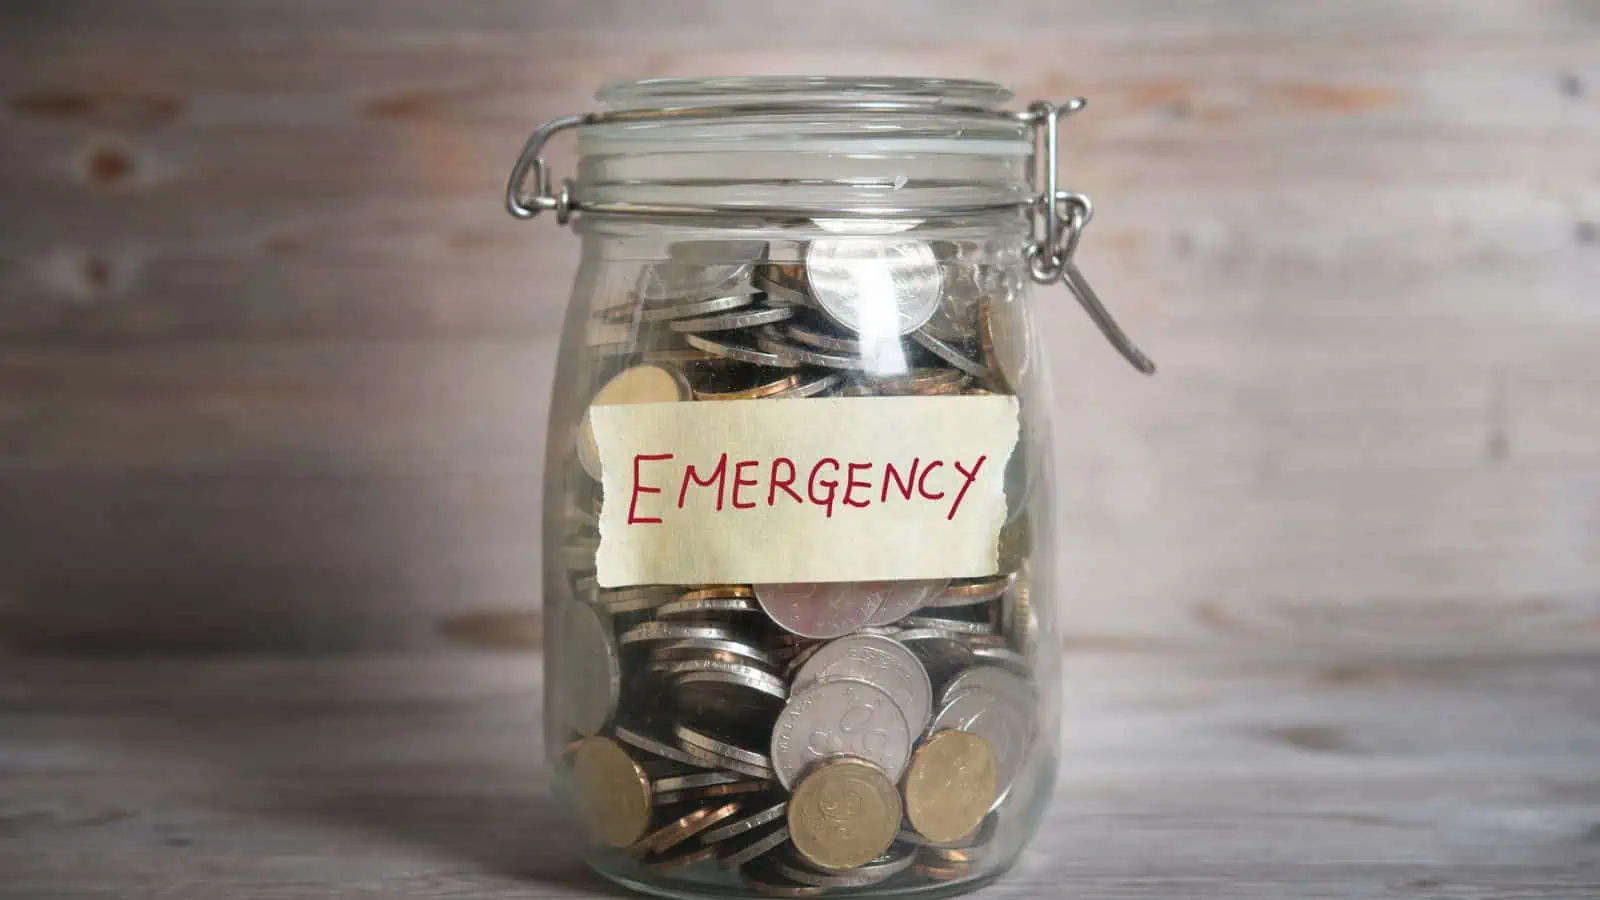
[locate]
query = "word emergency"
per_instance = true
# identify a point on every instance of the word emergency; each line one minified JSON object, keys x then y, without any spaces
{"x":828,"y":484}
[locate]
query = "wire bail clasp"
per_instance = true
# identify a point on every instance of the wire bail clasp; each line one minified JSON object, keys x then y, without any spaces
{"x":524,"y":205}
{"x":1060,"y":217}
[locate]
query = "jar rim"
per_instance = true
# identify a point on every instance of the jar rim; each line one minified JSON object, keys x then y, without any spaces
{"x":666,"y":92}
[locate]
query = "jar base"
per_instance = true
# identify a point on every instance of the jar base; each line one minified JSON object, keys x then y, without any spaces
{"x":733,"y":888}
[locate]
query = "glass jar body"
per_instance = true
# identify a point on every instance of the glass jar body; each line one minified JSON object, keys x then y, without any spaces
{"x":670,"y":707}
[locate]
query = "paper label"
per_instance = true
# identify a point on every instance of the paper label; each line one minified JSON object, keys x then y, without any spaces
{"x":839,"y":489}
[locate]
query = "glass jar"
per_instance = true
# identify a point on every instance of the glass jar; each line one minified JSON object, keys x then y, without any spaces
{"x":807,"y":646}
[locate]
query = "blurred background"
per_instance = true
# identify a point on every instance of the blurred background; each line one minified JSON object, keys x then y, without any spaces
{"x":274,"y":361}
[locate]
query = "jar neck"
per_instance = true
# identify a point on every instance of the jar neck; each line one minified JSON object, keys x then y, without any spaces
{"x":801,"y":149}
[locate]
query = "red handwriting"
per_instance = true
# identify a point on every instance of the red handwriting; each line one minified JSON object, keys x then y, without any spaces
{"x":900,"y":484}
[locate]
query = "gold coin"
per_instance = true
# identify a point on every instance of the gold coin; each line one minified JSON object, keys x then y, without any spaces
{"x":718,"y":592}
{"x":649,"y":383}
{"x":778,"y":386}
{"x":843,"y":813}
{"x":950,"y":785}
{"x":613,"y":791}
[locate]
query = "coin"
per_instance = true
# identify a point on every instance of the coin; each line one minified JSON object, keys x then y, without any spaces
{"x":680,"y":830}
{"x":994,"y":680}
{"x":613,"y":792}
{"x":884,"y":867}
{"x":812,"y":336}
{"x":712,"y":743}
{"x":673,"y":783}
{"x":700,"y":268}
{"x":768,"y":388}
{"x":674,"y":631}
{"x":840,"y":716}
{"x":969,"y":591}
{"x":820,"y":384}
{"x":741,"y":850}
{"x":947,"y":623}
{"x":950,"y":785}
{"x":648,"y":383}
{"x":951,"y":354}
{"x":1007,"y":726}
{"x":590,"y":673}
{"x":650,"y":745}
{"x":712,"y":648}
{"x":733,"y":321}
{"x":633,"y":599}
{"x":766,"y":880}
{"x":882,"y":661}
{"x":707,"y":607}
{"x":718,"y":590}
{"x":874,"y":287}
{"x":916,"y":381}
{"x":741,"y":348}
{"x":778,"y":292}
{"x":748,"y":823}
{"x":772,"y":342}
{"x":707,"y":758}
{"x":713,"y":791}
{"x":844,"y":813}
{"x":819,"y":610}
{"x":1005,"y":658}
{"x":956,"y":317}
{"x":902,"y":598}
{"x":656,"y":863}
{"x":1007,"y":339}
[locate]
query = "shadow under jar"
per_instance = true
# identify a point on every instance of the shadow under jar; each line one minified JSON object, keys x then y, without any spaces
{"x":799,"y":585}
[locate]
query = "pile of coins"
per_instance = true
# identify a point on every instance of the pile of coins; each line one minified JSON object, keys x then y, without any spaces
{"x":812,"y":737}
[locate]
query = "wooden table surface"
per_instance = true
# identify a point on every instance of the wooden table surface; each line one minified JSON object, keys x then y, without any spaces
{"x":421,"y":776}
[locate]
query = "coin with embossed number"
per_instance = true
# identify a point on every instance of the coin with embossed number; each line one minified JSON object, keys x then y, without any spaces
{"x":843,"y":814}
{"x":882,"y":661}
{"x":874,"y":287}
{"x":842,"y":716}
{"x":951,"y":785}
{"x":821,"y":609}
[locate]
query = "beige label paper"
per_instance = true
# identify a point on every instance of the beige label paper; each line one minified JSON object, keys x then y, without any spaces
{"x":840,"y":489}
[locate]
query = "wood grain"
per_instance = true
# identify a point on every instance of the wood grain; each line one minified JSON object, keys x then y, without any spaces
{"x":273,"y":361}
{"x":420,"y":776}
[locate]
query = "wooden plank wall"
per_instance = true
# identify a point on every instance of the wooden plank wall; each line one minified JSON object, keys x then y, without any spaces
{"x":273,"y":361}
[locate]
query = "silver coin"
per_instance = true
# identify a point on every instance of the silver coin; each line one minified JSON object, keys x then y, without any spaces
{"x":902,"y":598}
{"x":950,"y":354}
{"x":956,"y":319}
{"x":778,"y":292}
{"x":819,"y":609}
{"x":994,"y":680}
{"x":773,"y":342}
{"x":652,"y":746}
{"x":957,"y":626}
{"x":740,"y":348}
{"x":971,"y":591}
{"x":883,"y":868}
{"x":712,"y":648}
{"x":591,"y":671}
{"x":732,"y":321}
{"x":1005,"y":658}
{"x":834,"y":717}
{"x":802,"y":333}
{"x":874,"y":287}
{"x":671,"y":783}
{"x":712,"y":792}
{"x":712,"y":760}
{"x":694,"y":308}
{"x":811,"y":388}
{"x":734,"y":829}
{"x":942,"y":653}
{"x":707,"y":606}
{"x":700,"y":268}
{"x":710,"y":743}
{"x":747,"y":849}
{"x":633,"y":599}
{"x":674,"y":631}
{"x":1007,"y":726}
{"x":736,"y":673}
{"x":883,"y":662}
